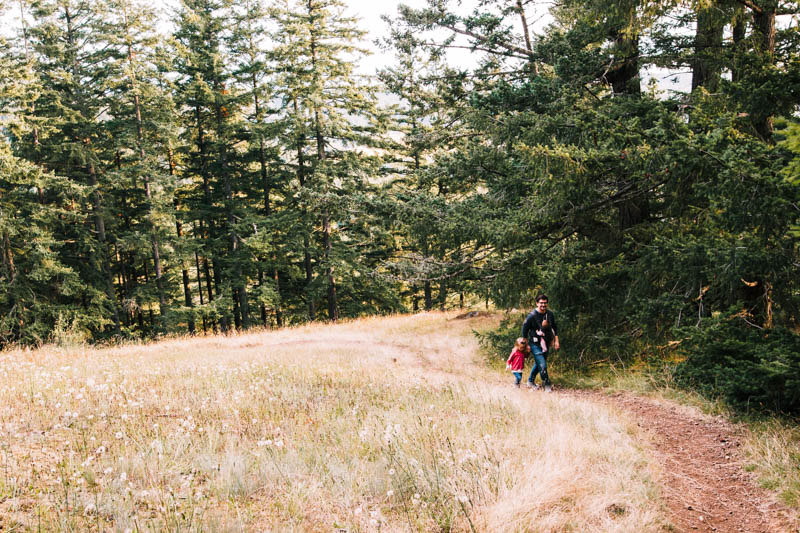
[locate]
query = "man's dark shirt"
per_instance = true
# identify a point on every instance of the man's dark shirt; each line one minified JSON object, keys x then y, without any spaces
{"x":533,"y":322}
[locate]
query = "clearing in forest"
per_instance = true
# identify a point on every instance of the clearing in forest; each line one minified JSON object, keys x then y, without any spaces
{"x":379,"y":424}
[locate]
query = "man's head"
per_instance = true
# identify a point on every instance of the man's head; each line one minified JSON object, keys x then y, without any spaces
{"x":541,"y":303}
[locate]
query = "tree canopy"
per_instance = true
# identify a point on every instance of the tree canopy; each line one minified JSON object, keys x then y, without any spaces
{"x":239,"y":171}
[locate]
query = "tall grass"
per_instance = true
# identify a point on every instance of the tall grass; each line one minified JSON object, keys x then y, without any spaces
{"x":382,"y":424}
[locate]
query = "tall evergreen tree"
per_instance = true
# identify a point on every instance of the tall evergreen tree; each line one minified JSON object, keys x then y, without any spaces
{"x":331,"y":120}
{"x":211,"y":108}
{"x":37,"y":292}
{"x":265,"y":184}
{"x":73,"y":142}
{"x":143,"y":128}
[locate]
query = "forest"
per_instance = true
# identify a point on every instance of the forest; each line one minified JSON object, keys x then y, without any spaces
{"x":223,"y":166}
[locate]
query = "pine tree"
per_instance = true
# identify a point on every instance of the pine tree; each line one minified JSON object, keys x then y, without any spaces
{"x":421,"y":117}
{"x":210,"y":110}
{"x":72,"y":141}
{"x":37,"y":289}
{"x":143,"y":128}
{"x":261,"y":159}
{"x":331,"y":120}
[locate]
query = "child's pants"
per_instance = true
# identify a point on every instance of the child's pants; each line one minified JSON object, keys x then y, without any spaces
{"x":518,"y":377}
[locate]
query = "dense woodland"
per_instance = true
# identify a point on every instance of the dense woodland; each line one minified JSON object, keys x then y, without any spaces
{"x":222,"y":166}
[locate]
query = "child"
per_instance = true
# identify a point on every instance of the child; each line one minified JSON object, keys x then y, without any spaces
{"x":540,"y":336}
{"x":516,"y":361}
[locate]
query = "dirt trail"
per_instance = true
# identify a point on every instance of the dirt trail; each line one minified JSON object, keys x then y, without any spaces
{"x":707,"y":488}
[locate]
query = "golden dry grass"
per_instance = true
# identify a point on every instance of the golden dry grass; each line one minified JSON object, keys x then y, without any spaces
{"x":380,"y":424}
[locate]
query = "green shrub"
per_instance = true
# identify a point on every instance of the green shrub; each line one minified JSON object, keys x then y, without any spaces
{"x":497,"y":343}
{"x":750,"y":368}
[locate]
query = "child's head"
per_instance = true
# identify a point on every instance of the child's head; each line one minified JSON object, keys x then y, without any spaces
{"x":521,"y":344}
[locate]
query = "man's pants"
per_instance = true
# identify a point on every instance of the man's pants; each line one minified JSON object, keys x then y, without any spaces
{"x":539,"y":366}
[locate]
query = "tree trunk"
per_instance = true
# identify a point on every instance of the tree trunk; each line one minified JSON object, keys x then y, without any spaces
{"x":764,"y":29}
{"x":215,"y":270}
{"x":262,"y":159}
{"x":301,"y":177}
{"x":706,"y":69}
{"x":625,"y":80}
{"x":739,"y":33}
{"x":187,"y":291}
{"x":201,"y":145}
{"x":101,"y":237}
{"x":333,"y":308}
{"x":526,"y":33}
{"x":428,"y":296}
{"x":200,"y":289}
{"x":624,"y":74}
{"x":146,"y":175}
{"x":239,"y":287}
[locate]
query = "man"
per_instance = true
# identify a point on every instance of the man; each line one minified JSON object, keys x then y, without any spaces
{"x":542,"y":333}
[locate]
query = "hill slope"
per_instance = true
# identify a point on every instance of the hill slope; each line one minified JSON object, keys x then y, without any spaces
{"x":388,"y":424}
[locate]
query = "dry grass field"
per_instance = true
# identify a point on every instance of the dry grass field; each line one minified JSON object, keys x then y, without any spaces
{"x":380,"y":424}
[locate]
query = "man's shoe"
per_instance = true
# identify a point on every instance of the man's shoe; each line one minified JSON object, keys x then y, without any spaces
{"x":548,"y":388}
{"x":529,"y":385}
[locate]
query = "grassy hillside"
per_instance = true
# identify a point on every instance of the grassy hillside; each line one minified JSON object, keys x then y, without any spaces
{"x":381,"y":424}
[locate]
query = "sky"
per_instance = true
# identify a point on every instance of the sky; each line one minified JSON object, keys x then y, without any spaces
{"x":370,"y":11}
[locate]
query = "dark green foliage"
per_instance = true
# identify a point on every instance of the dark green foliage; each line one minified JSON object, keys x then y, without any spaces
{"x":498,"y":343}
{"x":751,"y":368}
{"x":637,"y":212}
{"x":242,"y":173}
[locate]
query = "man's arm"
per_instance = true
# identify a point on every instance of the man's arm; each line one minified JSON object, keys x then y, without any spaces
{"x":556,"y":344}
{"x":526,"y":326}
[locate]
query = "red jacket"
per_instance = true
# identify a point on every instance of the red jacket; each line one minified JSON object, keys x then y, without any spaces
{"x":516,"y":360}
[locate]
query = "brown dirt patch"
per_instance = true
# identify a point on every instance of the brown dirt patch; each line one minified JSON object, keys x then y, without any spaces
{"x":706,"y":487}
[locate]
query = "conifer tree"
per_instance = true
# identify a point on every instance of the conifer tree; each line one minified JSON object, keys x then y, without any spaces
{"x":210,"y":108}
{"x":261,"y":158}
{"x":331,"y":119}
{"x":421,"y":117}
{"x":73,"y":142}
{"x":37,"y":291}
{"x":143,"y":127}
